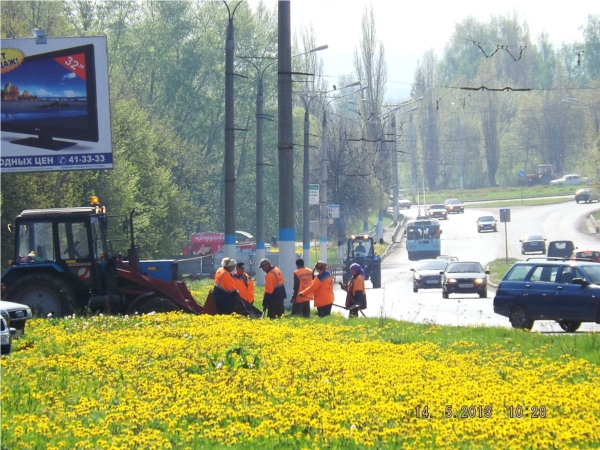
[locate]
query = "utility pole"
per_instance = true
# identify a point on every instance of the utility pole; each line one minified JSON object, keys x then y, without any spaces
{"x":323,"y":188}
{"x":461,"y":169}
{"x":229,"y":161}
{"x":395,"y":170}
{"x":285,"y":146}
{"x":413,"y":159}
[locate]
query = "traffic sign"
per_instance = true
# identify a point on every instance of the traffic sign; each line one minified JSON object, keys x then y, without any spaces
{"x":313,"y":194}
{"x":521,"y":174}
{"x":505,"y":215}
{"x":334,"y":211}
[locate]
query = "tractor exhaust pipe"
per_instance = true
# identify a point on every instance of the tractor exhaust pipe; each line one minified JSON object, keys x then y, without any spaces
{"x":133,"y":253}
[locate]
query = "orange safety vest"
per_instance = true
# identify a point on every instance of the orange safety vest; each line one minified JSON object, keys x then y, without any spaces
{"x":305,"y":276}
{"x":322,"y":288}
{"x":245,"y":286}
{"x":224,"y":280}
{"x":273,"y":280}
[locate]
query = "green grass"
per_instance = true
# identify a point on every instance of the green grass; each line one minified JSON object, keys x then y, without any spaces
{"x":498,"y":269}
{"x":503,"y":193}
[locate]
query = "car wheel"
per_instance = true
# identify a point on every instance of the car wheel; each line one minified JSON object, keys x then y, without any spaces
{"x":444,"y":294}
{"x":520,"y":318}
{"x":569,"y":326}
{"x":522,"y":252}
{"x":415,"y":289}
{"x":46,"y":295}
{"x":483,"y":294}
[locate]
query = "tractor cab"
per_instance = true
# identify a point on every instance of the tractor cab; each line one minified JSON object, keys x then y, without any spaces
{"x":360,"y":247}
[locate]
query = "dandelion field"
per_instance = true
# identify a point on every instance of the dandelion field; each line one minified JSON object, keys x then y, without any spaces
{"x":181,"y":381}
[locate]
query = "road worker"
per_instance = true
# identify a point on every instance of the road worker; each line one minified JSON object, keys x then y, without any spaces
{"x":274,"y":289}
{"x":356,"y":298}
{"x":225,"y":290}
{"x":303,"y":277}
{"x":244,"y":283}
{"x":322,"y":288}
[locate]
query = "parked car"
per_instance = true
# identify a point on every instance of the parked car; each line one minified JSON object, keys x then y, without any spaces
{"x":567,"y":292}
{"x":447,"y":258}
{"x":533,"y":243}
{"x":19,"y":314}
{"x":586,"y":195}
{"x":454,"y":205}
{"x":572,"y":179}
{"x":464,"y":277}
{"x":5,"y":337}
{"x":437,"y":211}
{"x":487,"y":223}
{"x":426,"y":274}
{"x":561,"y":249}
{"x":594,"y":255}
{"x":403,"y":202}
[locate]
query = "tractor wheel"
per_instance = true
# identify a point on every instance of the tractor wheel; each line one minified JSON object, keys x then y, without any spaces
{"x":376,"y":278}
{"x":545,"y":179}
{"x":46,"y":295}
{"x":346,"y":275}
{"x":520,"y":318}
{"x":152,"y":304}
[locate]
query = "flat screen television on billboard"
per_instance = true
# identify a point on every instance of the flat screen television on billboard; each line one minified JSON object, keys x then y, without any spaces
{"x":52,"y":95}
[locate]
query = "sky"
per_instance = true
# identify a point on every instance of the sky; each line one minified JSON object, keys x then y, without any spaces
{"x":408,"y":29}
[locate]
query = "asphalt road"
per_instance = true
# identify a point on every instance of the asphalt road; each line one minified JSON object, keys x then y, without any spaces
{"x":460,"y":238}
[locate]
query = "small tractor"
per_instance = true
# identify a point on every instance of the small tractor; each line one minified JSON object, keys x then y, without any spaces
{"x":545,"y":174}
{"x":361,"y":250}
{"x":64,"y":263}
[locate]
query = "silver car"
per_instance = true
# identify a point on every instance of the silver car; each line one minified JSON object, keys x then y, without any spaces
{"x":19,"y":315}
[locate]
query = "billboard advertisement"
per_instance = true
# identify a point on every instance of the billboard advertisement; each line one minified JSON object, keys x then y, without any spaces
{"x":204,"y":244}
{"x":55,"y":112}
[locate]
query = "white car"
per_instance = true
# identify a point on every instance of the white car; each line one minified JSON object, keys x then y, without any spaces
{"x":5,"y":337}
{"x":569,"y":180}
{"x":19,"y":314}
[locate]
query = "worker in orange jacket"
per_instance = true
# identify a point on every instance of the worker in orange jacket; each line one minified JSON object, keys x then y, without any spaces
{"x":356,"y":298}
{"x":225,"y":289}
{"x":303,"y":276}
{"x":274,"y":289}
{"x":244,"y":283}
{"x":322,"y":288}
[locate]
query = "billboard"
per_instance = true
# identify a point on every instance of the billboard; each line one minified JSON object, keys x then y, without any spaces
{"x":55,"y":111}
{"x":204,"y":244}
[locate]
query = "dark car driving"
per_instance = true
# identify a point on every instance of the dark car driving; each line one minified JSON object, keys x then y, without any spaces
{"x":533,"y":243}
{"x":586,"y":196}
{"x":464,"y":277}
{"x":426,"y":274}
{"x":567,"y":292}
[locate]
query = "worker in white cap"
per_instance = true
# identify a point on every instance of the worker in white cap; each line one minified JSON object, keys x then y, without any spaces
{"x":225,"y":290}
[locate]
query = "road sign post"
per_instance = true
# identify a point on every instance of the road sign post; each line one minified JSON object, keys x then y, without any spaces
{"x":505,"y":217}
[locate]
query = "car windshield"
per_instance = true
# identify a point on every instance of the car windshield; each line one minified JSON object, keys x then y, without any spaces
{"x":463,"y":267}
{"x":437,"y":207}
{"x":431,"y":265}
{"x":486,"y":219}
{"x":593,"y":272}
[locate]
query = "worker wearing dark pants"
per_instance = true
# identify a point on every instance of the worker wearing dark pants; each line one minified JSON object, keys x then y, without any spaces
{"x":302,"y":279}
{"x":274,"y":290}
{"x":225,"y":291}
{"x":356,"y":298}
{"x":322,"y":288}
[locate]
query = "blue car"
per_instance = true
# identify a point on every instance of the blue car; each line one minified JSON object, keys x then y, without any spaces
{"x":566,"y":291}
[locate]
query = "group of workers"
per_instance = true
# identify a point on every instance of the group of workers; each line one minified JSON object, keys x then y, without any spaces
{"x":233,"y":284}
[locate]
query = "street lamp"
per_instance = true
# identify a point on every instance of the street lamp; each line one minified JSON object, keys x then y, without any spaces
{"x":324,"y":166}
{"x":306,"y":101}
{"x":260,"y":166}
{"x":229,"y":156}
